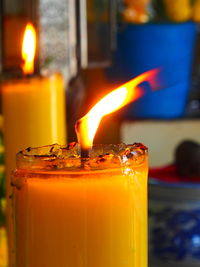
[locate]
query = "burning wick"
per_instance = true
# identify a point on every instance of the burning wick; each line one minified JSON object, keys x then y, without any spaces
{"x":87,"y":126}
{"x":28,"y":49}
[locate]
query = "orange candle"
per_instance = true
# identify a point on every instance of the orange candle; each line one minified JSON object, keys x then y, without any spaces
{"x":70,"y":215}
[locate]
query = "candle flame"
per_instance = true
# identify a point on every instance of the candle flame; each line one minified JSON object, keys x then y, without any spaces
{"x":28,"y":49}
{"x":87,"y":126}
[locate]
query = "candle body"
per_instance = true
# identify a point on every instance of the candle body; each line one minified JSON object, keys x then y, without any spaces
{"x":34,"y":115}
{"x":83,"y":219}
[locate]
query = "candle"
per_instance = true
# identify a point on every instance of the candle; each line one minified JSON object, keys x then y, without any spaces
{"x":33,"y":106}
{"x":84,"y":208}
{"x":33,"y":110}
{"x":67,"y":215}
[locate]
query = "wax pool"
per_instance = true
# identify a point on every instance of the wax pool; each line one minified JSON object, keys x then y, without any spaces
{"x":91,"y":216}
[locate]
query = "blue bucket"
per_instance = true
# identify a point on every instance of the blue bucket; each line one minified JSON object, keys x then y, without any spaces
{"x":144,"y":47}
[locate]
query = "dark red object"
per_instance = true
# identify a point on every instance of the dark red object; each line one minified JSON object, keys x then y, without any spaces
{"x":169,"y":174}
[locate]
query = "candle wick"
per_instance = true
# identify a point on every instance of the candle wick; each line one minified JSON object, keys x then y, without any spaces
{"x":84,"y":153}
{"x":28,"y":76}
{"x":84,"y":156}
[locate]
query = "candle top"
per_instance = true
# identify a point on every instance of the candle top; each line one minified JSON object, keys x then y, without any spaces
{"x":55,"y":157}
{"x":33,"y":80}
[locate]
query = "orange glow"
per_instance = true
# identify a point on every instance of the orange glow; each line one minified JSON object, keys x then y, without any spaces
{"x":28,"y":49}
{"x":87,"y":126}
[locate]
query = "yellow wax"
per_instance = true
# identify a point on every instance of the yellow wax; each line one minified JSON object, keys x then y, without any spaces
{"x":34,"y":115}
{"x":88,"y":219}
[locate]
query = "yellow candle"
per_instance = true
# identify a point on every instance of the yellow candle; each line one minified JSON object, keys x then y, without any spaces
{"x":34,"y":114}
{"x":68,"y":215}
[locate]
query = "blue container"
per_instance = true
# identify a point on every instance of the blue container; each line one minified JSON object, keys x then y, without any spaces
{"x":144,"y":47}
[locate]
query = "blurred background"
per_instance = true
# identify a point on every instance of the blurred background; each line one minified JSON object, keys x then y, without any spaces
{"x":98,"y":45}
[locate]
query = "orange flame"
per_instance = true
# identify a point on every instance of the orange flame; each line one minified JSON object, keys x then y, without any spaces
{"x":87,"y":126}
{"x":28,"y":49}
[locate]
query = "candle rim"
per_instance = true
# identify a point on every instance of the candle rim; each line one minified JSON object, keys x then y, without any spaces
{"x":17,"y":81}
{"x":54,"y":158}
